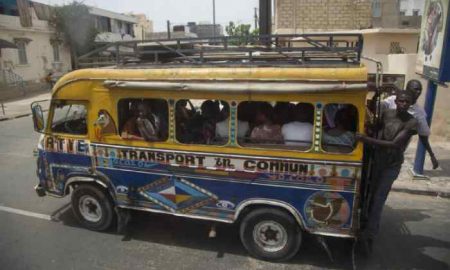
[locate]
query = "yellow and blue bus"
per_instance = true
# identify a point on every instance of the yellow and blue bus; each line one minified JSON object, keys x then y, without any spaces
{"x":265,"y":139}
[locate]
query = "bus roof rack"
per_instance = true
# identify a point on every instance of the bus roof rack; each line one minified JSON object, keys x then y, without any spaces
{"x":319,"y":49}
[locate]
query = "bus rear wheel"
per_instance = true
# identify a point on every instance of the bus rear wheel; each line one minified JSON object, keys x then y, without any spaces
{"x":270,"y":234}
{"x":92,"y":207}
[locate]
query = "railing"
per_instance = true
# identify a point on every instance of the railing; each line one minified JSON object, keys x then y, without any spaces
{"x":303,"y":49}
{"x":9,"y":78}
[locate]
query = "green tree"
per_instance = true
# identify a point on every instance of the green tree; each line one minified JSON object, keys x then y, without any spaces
{"x":74,"y":22}
{"x":241,"y":32}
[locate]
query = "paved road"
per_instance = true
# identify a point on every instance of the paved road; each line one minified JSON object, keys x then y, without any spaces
{"x":415,"y":231}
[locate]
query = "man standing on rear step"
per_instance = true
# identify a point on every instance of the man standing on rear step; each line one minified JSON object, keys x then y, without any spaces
{"x":419,"y":113}
{"x":397,"y":128}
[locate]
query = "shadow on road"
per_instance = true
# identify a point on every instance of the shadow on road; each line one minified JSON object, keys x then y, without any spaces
{"x":395,"y":248}
{"x":398,"y":248}
{"x":442,"y":171}
{"x":193,"y":234}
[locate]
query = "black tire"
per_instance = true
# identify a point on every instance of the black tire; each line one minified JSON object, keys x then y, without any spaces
{"x":275,"y":249}
{"x":92,"y":207}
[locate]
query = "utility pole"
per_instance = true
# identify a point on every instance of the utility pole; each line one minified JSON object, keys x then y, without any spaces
{"x":214,"y":19}
{"x":265,"y":20}
{"x":168,"y":29}
{"x":256,"y":18}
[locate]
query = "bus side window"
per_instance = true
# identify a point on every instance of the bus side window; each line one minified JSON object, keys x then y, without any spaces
{"x":143,"y":119}
{"x":282,"y":125}
{"x":199,"y":121}
{"x":69,"y":118}
{"x":340,"y":125}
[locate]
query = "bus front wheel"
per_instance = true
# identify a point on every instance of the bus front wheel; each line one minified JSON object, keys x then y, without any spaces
{"x":92,"y":207}
{"x":270,"y":234}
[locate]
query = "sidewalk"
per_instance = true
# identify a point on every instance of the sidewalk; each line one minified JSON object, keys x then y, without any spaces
{"x":438,"y":182}
{"x":21,"y":108}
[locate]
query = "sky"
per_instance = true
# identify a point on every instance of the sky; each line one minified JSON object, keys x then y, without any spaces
{"x":177,"y":11}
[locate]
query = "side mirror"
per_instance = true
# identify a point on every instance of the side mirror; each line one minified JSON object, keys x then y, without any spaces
{"x":38,"y":117}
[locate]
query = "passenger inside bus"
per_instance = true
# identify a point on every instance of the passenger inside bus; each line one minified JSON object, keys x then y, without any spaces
{"x":200,"y":127}
{"x":265,"y":130}
{"x":283,"y":112}
{"x":339,"y":132}
{"x":142,"y":124}
{"x":146,"y":119}
{"x":223,"y":126}
{"x":299,"y":131}
{"x":281,"y":126}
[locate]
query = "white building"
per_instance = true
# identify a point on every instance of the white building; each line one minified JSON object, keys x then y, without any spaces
{"x":113,"y":26}
{"x":142,"y":27}
{"x":39,"y":51}
{"x":412,"y":7}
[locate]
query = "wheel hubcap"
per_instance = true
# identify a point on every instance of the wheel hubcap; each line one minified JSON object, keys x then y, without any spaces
{"x":271,"y":236}
{"x":90,"y":208}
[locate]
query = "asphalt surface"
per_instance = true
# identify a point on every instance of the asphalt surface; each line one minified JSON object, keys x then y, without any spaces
{"x":415,"y":231}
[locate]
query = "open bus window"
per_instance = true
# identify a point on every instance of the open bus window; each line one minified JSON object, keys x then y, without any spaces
{"x":143,"y":119}
{"x":282,"y":125}
{"x":339,"y":127}
{"x":69,"y":118}
{"x":200,"y":121}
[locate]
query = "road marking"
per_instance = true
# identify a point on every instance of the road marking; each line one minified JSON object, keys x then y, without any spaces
{"x":25,"y":213}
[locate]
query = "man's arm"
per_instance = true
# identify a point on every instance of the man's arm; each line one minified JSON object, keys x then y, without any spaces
{"x":424,"y":140}
{"x":400,"y":140}
{"x":423,"y":129}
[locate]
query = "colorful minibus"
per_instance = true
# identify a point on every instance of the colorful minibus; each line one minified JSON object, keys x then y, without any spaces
{"x":269,"y":146}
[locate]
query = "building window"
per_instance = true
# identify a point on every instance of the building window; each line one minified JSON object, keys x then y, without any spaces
{"x":103,"y":24}
{"x":9,"y":8}
{"x":129,"y":29}
{"x":402,"y":12}
{"x":376,"y":8}
{"x":415,"y":12}
{"x":21,"y":49}
{"x":339,"y":127}
{"x":144,"y":119}
{"x":395,"y":48}
{"x":283,"y":125}
{"x":55,"y":52}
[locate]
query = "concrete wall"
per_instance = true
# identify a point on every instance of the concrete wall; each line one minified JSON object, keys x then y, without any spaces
{"x":143,"y":26}
{"x":39,"y":50}
{"x":390,"y":14}
{"x":321,"y":15}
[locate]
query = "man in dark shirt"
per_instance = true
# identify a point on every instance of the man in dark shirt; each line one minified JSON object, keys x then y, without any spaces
{"x":397,"y":127}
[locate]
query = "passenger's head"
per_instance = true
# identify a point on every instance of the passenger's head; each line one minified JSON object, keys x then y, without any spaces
{"x":304,"y":112}
{"x":415,"y":86}
{"x":134,"y":108}
{"x":181,"y":103}
{"x":210,"y":109}
{"x":264,"y":113}
{"x":344,"y":118}
{"x":281,"y":112}
{"x":404,"y":100}
{"x":143,"y":108}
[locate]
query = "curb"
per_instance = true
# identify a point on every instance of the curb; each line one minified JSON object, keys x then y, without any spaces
{"x":14,"y":117}
{"x":434,"y":193}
